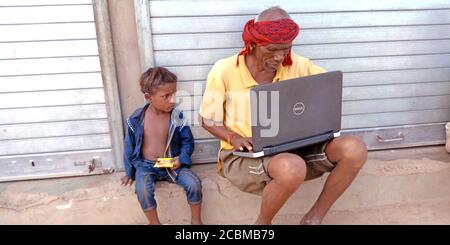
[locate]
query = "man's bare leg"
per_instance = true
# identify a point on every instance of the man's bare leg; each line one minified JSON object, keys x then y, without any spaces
{"x":350,"y":153}
{"x":152,"y":217}
{"x":196,"y":218}
{"x":288,"y":172}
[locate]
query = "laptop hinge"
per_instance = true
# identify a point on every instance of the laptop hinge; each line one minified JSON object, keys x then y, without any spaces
{"x":298,"y":143}
{"x":337,"y":134}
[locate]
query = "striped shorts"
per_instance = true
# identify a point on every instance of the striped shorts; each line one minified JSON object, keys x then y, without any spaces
{"x":251,"y":174}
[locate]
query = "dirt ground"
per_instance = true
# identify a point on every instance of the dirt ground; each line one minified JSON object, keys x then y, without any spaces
{"x":418,"y":213}
{"x":407,"y":186}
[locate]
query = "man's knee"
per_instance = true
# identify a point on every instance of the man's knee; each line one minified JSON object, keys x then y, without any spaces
{"x":354,"y":151}
{"x":287,"y":169}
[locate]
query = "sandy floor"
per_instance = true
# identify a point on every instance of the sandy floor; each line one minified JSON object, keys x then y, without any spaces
{"x":426,"y":213}
{"x":390,"y":189}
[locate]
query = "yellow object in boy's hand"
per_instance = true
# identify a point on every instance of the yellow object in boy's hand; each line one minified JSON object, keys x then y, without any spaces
{"x":166,"y":162}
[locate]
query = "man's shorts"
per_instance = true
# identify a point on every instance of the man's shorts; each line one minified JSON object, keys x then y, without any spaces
{"x":251,"y":174}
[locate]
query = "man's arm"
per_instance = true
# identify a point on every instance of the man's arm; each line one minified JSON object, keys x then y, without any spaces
{"x":212,"y":110}
{"x":217,"y":129}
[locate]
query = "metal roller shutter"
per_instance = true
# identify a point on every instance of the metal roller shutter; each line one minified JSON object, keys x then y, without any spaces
{"x":395,"y":56}
{"x":53,"y":115}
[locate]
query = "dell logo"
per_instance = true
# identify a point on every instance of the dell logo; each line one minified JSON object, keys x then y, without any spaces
{"x":298,"y":108}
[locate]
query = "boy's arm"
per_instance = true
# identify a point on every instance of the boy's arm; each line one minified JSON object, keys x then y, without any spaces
{"x":129,"y":145}
{"x":187,"y":145}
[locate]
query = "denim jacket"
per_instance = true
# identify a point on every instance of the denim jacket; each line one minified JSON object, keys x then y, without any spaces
{"x":180,"y":141}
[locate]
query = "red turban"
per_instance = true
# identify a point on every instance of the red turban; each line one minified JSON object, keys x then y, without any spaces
{"x":267,"y":32}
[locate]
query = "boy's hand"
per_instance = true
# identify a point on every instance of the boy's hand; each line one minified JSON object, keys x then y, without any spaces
{"x":176,"y":163}
{"x":126,"y":180}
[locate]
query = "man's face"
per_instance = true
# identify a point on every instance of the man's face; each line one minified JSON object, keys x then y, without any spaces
{"x":163,"y":98}
{"x":271,"y":56}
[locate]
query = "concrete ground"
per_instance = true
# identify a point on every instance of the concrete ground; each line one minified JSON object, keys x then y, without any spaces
{"x":404,"y":186}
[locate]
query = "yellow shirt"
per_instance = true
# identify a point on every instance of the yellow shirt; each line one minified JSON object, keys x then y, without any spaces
{"x":227,"y":94}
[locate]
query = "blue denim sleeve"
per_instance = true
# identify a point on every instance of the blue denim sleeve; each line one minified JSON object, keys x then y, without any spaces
{"x":129,"y":145}
{"x":187,"y":145}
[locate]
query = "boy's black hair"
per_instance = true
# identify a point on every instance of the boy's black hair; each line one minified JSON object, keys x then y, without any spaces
{"x":154,"y":77}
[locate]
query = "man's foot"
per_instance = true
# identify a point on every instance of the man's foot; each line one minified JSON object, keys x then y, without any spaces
{"x":257,"y":223}
{"x":198,"y":222}
{"x":262,"y":221}
{"x":310,"y":220}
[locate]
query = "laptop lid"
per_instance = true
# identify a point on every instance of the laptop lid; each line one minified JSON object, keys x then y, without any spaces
{"x":295,"y":109}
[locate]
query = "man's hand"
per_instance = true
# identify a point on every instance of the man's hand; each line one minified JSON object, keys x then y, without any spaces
{"x":176,"y":163}
{"x":126,"y":180}
{"x":239,"y":143}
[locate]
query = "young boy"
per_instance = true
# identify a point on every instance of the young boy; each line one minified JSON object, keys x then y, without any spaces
{"x":158,"y":130}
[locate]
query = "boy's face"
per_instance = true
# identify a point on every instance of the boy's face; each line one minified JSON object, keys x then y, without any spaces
{"x":163,"y":98}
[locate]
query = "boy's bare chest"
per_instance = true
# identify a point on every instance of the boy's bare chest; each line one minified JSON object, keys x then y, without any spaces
{"x":155,"y":136}
{"x":156,"y":128}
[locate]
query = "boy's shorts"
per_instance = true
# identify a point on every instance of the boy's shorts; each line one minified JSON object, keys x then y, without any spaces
{"x":251,"y":174}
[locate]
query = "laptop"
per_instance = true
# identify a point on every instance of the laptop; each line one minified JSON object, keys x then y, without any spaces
{"x":308,"y":112}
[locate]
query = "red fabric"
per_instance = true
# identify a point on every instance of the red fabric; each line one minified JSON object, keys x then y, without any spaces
{"x":266,"y":32}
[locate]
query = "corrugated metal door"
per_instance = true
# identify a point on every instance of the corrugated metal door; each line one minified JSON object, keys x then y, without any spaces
{"x":395,"y":56}
{"x":53,"y":117}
